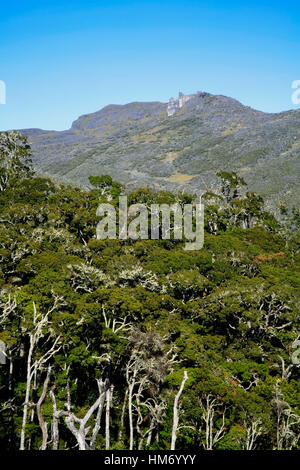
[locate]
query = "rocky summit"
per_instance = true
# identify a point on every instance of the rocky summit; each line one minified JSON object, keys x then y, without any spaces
{"x":178,"y":145}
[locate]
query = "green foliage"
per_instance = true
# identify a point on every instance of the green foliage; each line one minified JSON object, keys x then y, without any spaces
{"x":15,"y":158}
{"x":227,"y":314}
{"x":100,"y":181}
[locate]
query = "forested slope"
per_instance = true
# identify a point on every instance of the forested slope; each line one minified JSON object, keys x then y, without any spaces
{"x":99,"y":333}
{"x":139,"y":145}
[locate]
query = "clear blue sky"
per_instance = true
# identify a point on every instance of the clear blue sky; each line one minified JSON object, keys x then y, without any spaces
{"x":60,"y":59}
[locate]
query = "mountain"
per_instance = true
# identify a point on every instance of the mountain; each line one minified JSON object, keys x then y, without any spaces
{"x":177,"y":145}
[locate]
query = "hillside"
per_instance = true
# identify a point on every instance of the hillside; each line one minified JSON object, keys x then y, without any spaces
{"x":98,"y":336}
{"x":179,"y":145}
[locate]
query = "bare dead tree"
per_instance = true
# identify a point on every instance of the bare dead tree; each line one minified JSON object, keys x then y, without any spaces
{"x":287,"y":421}
{"x":208,"y":406}
{"x":108,"y":395}
{"x":123,"y":415}
{"x":7,"y":307}
{"x":79,"y":426}
{"x":54,"y":425}
{"x":40,"y":321}
{"x":81,"y":432}
{"x":42,"y":422}
{"x":116,"y":324}
{"x":132,"y":370}
{"x":175,"y":411}
{"x":286,"y":370}
{"x":103,"y":387}
{"x":156,"y":410}
{"x":254,"y":429}
{"x":142,"y":386}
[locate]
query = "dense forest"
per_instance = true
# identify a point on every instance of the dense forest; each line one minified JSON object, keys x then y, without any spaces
{"x":140,"y":344}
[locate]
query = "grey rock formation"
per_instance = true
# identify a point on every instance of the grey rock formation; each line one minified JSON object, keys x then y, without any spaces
{"x":174,"y":105}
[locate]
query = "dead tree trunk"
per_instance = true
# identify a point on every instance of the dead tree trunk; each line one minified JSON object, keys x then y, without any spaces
{"x":43,"y":424}
{"x":123,"y":416}
{"x":209,"y":411}
{"x":54,"y":426}
{"x":175,"y":411}
{"x":109,"y":394}
{"x":103,"y":386}
{"x":81,"y":432}
{"x":254,"y":430}
{"x":131,"y":384}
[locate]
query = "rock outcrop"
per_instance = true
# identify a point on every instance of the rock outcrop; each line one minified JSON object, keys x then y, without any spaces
{"x":174,"y":105}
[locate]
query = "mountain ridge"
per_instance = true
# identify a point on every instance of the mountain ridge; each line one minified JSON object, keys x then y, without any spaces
{"x":178,"y":145}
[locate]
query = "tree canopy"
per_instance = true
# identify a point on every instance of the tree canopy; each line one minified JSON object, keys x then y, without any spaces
{"x":92,"y":325}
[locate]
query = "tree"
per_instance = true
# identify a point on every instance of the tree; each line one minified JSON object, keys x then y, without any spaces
{"x":231,"y":185}
{"x":36,"y":333}
{"x":209,"y":406}
{"x":146,"y":369}
{"x":175,"y":410}
{"x":81,"y":433}
{"x":97,"y":371}
{"x":287,"y":421}
{"x":15,"y":157}
{"x":102,"y":182}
